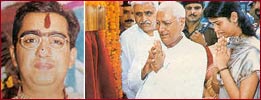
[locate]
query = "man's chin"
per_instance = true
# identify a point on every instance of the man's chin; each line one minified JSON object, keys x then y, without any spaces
{"x":129,"y":25}
{"x":148,"y":30}
{"x":193,"y":18}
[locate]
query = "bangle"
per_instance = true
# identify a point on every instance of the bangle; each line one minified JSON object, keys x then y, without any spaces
{"x":222,"y":69}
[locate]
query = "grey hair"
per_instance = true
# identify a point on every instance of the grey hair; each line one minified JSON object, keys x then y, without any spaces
{"x":154,"y":3}
{"x":176,"y":7}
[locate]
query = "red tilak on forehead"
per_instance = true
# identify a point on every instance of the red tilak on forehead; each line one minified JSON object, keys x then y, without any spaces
{"x":47,"y":21}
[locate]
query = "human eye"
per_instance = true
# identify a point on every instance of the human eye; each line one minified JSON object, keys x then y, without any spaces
{"x":148,"y":13}
{"x":167,"y":23}
{"x":188,"y":8}
{"x":197,"y":7}
{"x":30,"y":40}
{"x":125,"y":11}
{"x":138,"y":14}
{"x":218,"y":23}
{"x":57,"y":42}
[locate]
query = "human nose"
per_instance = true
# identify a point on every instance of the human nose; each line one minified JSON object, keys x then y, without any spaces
{"x":43,"y":49}
{"x":144,"y":17}
{"x":192,"y":10}
{"x":129,"y":15}
{"x":216,"y":29}
{"x":160,"y":28}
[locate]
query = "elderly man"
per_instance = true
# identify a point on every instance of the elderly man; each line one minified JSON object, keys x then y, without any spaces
{"x":194,"y":29}
{"x":176,"y":69}
{"x":43,"y":49}
{"x":136,"y":42}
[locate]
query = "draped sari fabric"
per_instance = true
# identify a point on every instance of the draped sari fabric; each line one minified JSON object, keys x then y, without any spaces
{"x":243,"y":62}
{"x":99,"y":78}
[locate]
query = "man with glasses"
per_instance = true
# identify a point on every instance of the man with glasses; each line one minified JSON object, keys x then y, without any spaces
{"x":194,"y":29}
{"x":178,"y":66}
{"x":43,"y":49}
{"x":135,"y":44}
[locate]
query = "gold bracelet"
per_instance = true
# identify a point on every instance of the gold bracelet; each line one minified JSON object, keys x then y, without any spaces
{"x":222,"y":69}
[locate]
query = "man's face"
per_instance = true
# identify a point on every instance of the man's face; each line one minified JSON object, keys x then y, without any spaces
{"x":193,"y":12}
{"x":145,"y":16}
{"x":127,"y":18}
{"x":43,"y":54}
{"x":169,"y":26}
{"x":257,"y":9}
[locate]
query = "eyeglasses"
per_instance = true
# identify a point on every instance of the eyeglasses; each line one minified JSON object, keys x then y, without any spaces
{"x":32,"y":41}
{"x":164,"y":23}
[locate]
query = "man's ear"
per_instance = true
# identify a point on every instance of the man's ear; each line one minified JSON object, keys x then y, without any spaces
{"x":13,"y":56}
{"x":233,"y":17}
{"x":182,"y":21}
{"x":73,"y":54}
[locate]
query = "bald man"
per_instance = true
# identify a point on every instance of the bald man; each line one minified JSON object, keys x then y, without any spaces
{"x":176,"y":68}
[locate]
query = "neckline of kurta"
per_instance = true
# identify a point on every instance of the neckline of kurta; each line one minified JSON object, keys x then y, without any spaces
{"x":146,"y":36}
{"x":177,"y":44}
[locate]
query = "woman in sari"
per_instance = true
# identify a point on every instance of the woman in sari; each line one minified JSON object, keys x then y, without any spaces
{"x":237,"y":52}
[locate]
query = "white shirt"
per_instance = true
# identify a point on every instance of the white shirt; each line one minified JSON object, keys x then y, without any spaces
{"x":135,"y":44}
{"x":182,"y":75}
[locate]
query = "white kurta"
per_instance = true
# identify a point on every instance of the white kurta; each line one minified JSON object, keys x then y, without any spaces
{"x":135,"y":45}
{"x":182,"y":75}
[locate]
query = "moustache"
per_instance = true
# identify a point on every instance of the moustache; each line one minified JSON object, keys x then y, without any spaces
{"x":193,"y":15}
{"x":129,"y":20}
{"x":145,"y":22}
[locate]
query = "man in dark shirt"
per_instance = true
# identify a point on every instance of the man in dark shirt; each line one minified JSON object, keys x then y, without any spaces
{"x":193,"y":28}
{"x":127,"y":17}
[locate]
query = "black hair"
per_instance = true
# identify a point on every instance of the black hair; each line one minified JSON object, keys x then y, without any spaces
{"x":184,"y":3}
{"x":224,"y":9}
{"x":126,"y":4}
{"x":46,"y":6}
